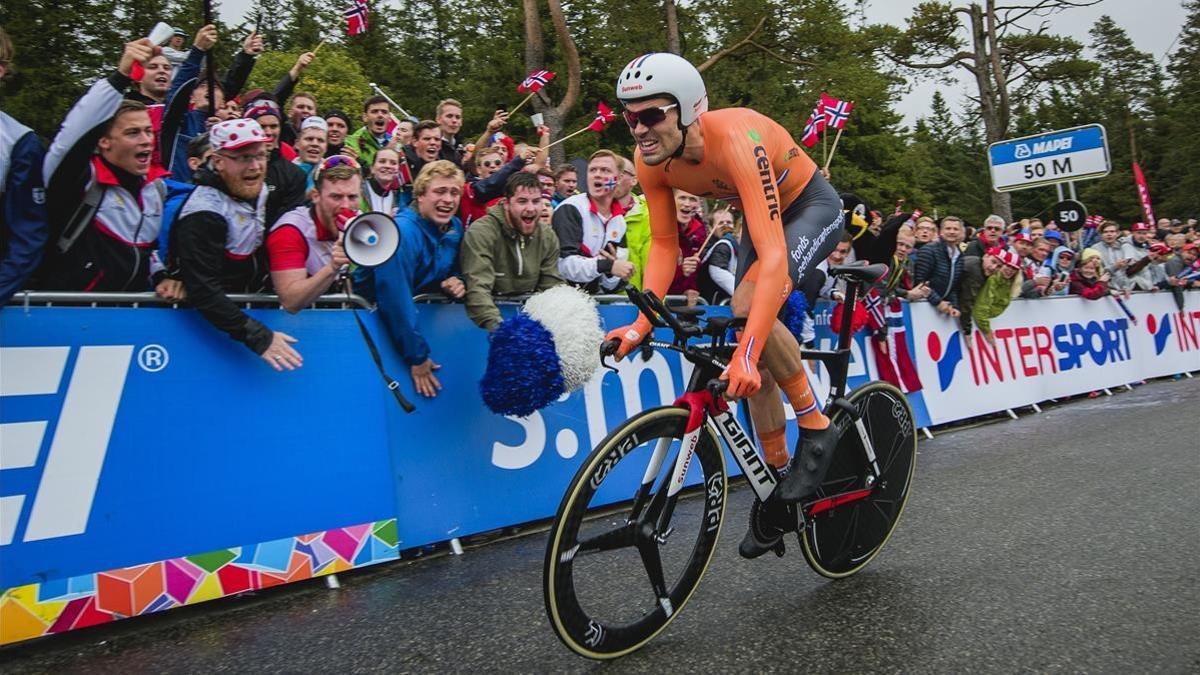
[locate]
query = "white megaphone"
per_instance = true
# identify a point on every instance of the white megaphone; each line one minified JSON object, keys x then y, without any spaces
{"x":371,"y":239}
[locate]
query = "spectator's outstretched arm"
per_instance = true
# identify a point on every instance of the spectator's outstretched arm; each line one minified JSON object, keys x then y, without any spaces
{"x":970,"y":282}
{"x":243,"y":64}
{"x":199,"y":243}
{"x":287,"y":83}
{"x":24,"y":210}
{"x":573,"y":264}
{"x":479,"y":272}
{"x":487,"y":189}
{"x":398,"y":311}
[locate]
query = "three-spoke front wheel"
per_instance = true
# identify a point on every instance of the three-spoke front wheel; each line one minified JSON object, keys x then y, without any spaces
{"x":624,"y":556}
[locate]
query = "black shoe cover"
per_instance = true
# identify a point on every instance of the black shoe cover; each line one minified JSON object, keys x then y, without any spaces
{"x":809,"y":464}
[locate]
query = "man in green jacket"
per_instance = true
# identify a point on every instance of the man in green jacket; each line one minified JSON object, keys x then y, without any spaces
{"x":507,"y":252}
{"x":373,"y":135}
{"x":637,"y":219}
{"x":986,"y":287}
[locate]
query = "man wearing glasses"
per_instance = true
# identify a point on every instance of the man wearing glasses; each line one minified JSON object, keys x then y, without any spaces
{"x":793,"y":220}
{"x":990,"y":236}
{"x":216,"y":246}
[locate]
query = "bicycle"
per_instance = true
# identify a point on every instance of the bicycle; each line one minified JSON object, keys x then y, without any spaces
{"x":841,"y":530}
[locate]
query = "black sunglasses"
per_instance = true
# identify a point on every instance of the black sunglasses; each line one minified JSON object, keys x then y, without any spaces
{"x":649,"y":117}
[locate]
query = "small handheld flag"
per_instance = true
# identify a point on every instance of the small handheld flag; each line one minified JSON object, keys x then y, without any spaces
{"x":535,"y":81}
{"x":356,"y":17}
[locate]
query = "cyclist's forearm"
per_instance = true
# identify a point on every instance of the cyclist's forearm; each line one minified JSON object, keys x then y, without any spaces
{"x":770,"y":290}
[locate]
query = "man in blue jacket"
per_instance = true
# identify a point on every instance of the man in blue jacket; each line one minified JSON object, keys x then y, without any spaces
{"x":430,"y":234}
{"x":22,"y":195}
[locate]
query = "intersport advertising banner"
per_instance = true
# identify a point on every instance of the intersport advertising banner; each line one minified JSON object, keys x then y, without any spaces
{"x":1050,"y":348}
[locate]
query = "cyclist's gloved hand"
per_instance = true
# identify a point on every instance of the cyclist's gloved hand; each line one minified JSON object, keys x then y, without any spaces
{"x":630,"y":336}
{"x":742,"y":375}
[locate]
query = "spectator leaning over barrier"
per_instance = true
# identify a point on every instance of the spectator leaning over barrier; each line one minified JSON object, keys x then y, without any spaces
{"x":449,"y":116}
{"x":389,"y":189}
{"x":1181,"y":265}
{"x":689,"y":218}
{"x":990,"y":236}
{"x":507,"y":252}
{"x":427,"y":141}
{"x":637,"y":218}
{"x":566,"y":183}
{"x":373,"y":135}
{"x":1021,"y":244}
{"x":1089,"y":279}
{"x":216,"y":245}
{"x":591,"y":231}
{"x":23,"y":230}
{"x":285,"y":181}
{"x":301,"y":106}
{"x":924,"y":232}
{"x":718,"y":260}
{"x":310,"y":147}
{"x":938,"y":265}
{"x":900,"y":269}
{"x":988,"y":284}
{"x":305,"y":245}
{"x":338,"y":126}
{"x":105,"y":197}
{"x":430,"y":234}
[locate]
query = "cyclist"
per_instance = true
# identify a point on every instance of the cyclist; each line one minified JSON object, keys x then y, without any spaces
{"x":793,"y":221}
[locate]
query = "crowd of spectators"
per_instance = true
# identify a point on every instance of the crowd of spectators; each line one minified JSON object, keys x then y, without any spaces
{"x":155,"y":183}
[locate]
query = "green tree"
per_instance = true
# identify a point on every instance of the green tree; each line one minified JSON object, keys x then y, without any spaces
{"x":1175,"y":182}
{"x":334,"y":78}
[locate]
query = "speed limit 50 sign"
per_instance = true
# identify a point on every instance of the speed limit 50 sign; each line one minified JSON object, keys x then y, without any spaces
{"x":1055,"y":157}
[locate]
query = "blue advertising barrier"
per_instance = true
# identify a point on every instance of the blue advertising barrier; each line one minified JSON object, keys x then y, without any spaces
{"x":134,"y":436}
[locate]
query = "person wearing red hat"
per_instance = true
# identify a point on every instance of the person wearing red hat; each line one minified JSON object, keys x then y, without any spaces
{"x":216,"y":244}
{"x":986,"y":287}
{"x":286,"y":182}
{"x":1139,"y":272}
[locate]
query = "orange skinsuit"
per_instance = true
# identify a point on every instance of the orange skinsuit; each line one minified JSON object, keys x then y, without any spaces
{"x":751,"y":160}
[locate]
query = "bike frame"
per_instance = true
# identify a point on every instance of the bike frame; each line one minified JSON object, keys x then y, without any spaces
{"x":707,"y":410}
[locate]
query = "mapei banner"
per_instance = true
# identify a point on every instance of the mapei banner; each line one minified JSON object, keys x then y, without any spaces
{"x":1050,"y":348}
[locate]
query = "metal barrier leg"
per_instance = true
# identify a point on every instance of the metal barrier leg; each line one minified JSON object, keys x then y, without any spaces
{"x":1189,"y":375}
{"x":925,"y":430}
{"x":1035,"y":407}
{"x":456,"y":546}
{"x":331,"y":581}
{"x":1128,"y":387}
{"x":1011,"y":413}
{"x":1109,"y":393}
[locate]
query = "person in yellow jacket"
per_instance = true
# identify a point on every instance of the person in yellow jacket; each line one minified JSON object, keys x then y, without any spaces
{"x":637,"y":219}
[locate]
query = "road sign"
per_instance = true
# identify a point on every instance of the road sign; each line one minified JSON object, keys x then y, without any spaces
{"x":1069,"y":215}
{"x":1043,"y":159}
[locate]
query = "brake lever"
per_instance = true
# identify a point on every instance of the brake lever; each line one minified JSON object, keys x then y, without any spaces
{"x":607,"y":349}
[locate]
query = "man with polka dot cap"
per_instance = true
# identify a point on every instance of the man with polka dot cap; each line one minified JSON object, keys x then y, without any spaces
{"x":216,"y":245}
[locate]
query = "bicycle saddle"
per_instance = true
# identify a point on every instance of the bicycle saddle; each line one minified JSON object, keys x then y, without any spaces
{"x":860,"y":271}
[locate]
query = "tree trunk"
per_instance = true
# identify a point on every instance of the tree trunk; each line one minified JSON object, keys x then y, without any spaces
{"x":989,"y":106}
{"x":535,"y":58}
{"x":673,"y":43}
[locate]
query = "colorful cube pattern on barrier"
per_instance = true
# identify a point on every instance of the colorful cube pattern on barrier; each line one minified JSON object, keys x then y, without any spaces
{"x":93,"y":599}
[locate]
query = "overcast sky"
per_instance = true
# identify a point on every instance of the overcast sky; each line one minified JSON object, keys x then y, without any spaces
{"x":1152,"y":25}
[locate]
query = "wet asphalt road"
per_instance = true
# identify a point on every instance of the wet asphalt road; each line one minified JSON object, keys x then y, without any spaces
{"x":1065,"y":541}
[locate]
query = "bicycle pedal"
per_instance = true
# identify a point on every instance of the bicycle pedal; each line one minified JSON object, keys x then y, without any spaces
{"x":779,"y":548}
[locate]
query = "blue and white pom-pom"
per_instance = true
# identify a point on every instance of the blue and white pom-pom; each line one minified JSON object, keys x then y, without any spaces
{"x":551,"y":347}
{"x":794,"y":314}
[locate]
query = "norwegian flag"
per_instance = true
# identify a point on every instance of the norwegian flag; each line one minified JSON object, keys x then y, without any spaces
{"x":356,"y":17}
{"x":890,"y":342}
{"x":536,"y":80}
{"x":836,"y":111}
{"x":604,"y":116}
{"x":813,"y":127}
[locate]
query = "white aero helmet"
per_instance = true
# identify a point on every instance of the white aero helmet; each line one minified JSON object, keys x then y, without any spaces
{"x":665,"y":74}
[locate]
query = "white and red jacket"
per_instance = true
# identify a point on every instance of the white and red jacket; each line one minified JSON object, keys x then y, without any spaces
{"x":582,"y":234}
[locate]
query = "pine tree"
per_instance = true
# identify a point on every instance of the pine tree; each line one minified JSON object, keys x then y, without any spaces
{"x":1175,"y":183}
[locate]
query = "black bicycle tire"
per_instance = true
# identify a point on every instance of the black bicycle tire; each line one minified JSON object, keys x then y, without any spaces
{"x":824,"y":526}
{"x":567,"y":618}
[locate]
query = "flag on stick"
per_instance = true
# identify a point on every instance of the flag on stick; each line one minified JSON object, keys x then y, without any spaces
{"x":356,"y":17}
{"x":604,"y":116}
{"x":836,"y":111}
{"x":535,"y":81}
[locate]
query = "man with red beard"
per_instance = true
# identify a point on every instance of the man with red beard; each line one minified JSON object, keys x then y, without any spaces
{"x":104,"y":198}
{"x":216,"y":246}
{"x":286,"y":182}
{"x":508,"y":252}
{"x":305,"y":246}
